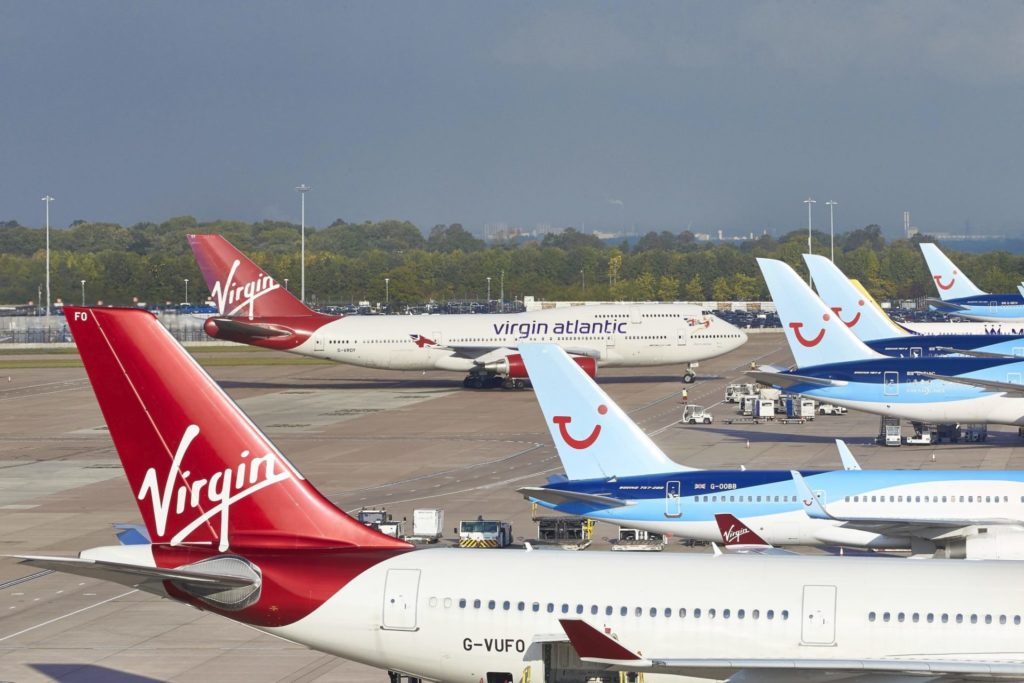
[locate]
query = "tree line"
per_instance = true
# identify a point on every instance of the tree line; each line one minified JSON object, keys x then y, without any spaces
{"x":348,"y":262}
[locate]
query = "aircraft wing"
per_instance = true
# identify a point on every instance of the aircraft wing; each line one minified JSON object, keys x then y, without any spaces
{"x":973,"y":353}
{"x":562,"y":497}
{"x":786,"y":379}
{"x":849,"y":462}
{"x":917,"y":526}
{"x":987,"y":384}
{"x":477,"y":350}
{"x":133,"y":575}
{"x":600,"y":648}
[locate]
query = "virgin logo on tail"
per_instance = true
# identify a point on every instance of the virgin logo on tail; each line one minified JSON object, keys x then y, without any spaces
{"x":733,"y":535}
{"x":213,"y":496}
{"x":938,"y":281}
{"x":854,"y":320}
{"x":579,"y":444}
{"x":813,"y":341}
{"x":239,"y":296}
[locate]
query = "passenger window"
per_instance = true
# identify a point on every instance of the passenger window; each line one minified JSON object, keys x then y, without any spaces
{"x":608,"y":611}
{"x":476,"y":604}
{"x":432,"y":602}
{"x":770,"y":614}
{"x":988,"y":618}
{"x":579,"y":609}
{"x":756,"y":614}
{"x":551,"y":607}
{"x":741,"y":613}
{"x":1002,"y":619}
{"x":1016,"y":620}
{"x":945,"y":618}
{"x":696,"y":613}
{"x":462,"y":602}
{"x":565,"y":608}
{"x":506,"y":605}
{"x":654,"y":611}
{"x":974,"y":618}
{"x":931,"y":617}
{"x":726,"y":614}
{"x":639,"y":611}
{"x":915,"y":617}
{"x":886,"y":617}
{"x":490,"y":604}
{"x":535,"y":607}
{"x":871,"y":616}
{"x":711,"y":613}
{"x":521,"y":606}
{"x":785,"y":614}
{"x":682,"y":612}
{"x":959,"y":618}
{"x":593,"y":609}
{"x":623,"y":611}
{"x":899,"y":617}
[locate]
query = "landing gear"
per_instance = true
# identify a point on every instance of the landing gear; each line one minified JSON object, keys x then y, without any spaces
{"x":689,"y":377}
{"x":487,"y":381}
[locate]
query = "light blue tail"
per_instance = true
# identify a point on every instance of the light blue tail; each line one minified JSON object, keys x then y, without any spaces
{"x":862,"y":316}
{"x":815,"y":334}
{"x":949,"y":281}
{"x":593,"y":436}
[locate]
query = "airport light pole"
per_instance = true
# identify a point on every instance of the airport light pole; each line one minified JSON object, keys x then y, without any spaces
{"x":503,"y":291}
{"x":488,"y":290}
{"x":809,"y":202}
{"x":83,"y":293}
{"x":302,"y":190}
{"x":48,"y":199}
{"x":186,"y":291}
{"x":286,"y":284}
{"x":387,"y":293}
{"x":832,"y":227}
{"x":583,"y":279}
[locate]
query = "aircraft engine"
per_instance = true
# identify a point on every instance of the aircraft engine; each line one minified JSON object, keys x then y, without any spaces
{"x":991,"y":543}
{"x":513,"y":366}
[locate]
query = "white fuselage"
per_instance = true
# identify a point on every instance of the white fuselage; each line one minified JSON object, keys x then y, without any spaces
{"x":616,"y":335}
{"x":470,"y":612}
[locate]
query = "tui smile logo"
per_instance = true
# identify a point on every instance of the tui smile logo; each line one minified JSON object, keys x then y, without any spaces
{"x":813,"y":341}
{"x":854,"y":320}
{"x":579,"y":444}
{"x":938,"y":281}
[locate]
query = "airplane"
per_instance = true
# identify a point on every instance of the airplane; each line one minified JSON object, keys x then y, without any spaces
{"x":833,"y":366}
{"x":961,"y":297}
{"x":615,"y":473}
{"x":878,"y":331}
{"x":254,"y":309}
{"x":236,"y":530}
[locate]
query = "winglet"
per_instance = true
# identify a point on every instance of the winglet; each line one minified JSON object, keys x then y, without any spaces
{"x":812,"y":506}
{"x":849,"y":462}
{"x":736,"y":534}
{"x":591,"y":644}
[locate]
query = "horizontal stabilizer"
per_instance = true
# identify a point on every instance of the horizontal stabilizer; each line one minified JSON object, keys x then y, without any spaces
{"x":133,"y":575}
{"x":236,"y":328}
{"x":786,"y":379}
{"x":559,"y":497}
{"x":947,"y":306}
{"x":986,"y":384}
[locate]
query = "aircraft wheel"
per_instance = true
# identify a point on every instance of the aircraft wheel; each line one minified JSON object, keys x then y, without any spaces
{"x":520,"y":384}
{"x":688,"y":378}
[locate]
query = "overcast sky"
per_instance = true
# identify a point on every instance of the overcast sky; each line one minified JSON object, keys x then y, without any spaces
{"x":663,"y":115}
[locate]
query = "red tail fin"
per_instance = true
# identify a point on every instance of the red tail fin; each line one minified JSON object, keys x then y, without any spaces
{"x":238,"y":286}
{"x":201,"y":471}
{"x":735,"y":533}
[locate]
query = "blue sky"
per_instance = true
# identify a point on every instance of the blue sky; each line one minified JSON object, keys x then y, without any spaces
{"x":663,"y":115}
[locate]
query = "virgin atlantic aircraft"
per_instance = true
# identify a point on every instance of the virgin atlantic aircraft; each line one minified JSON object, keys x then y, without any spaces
{"x":236,"y":530}
{"x":254,"y":309}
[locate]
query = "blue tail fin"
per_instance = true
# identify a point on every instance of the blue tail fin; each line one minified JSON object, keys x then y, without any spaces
{"x":594,"y":437}
{"x":951,"y":283}
{"x":862,"y":316}
{"x":815,"y":334}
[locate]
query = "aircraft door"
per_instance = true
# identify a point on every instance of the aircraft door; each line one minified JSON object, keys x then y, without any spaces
{"x":892,"y":383}
{"x":682,"y":337}
{"x":1013,"y":378}
{"x":400,"y":593}
{"x":437,"y":337}
{"x":673,"y":499}
{"x":635,"y":316}
{"x":1018,"y":351}
{"x":819,"y":616}
{"x":318,"y":342}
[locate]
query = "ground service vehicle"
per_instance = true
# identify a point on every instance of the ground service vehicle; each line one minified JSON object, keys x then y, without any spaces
{"x":693,"y":414}
{"x":484,"y":533}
